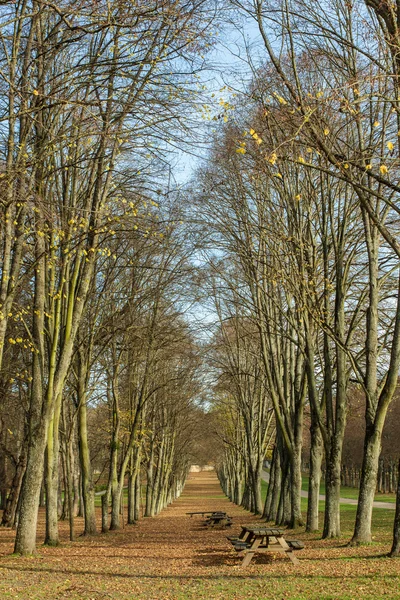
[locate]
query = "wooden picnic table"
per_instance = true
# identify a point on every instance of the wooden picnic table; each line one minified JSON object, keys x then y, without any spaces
{"x":214,"y":518}
{"x":255,"y":539}
{"x":207,"y":512}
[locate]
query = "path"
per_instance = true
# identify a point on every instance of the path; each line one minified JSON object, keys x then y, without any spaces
{"x":377,"y":504}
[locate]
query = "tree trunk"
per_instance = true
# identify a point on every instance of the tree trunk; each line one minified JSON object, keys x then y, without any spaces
{"x":247,"y":494}
{"x":76,"y":481}
{"x":316,"y":453}
{"x":133,"y":509}
{"x":274,"y":488}
{"x":116,"y":506}
{"x":149,"y":487}
{"x":70,"y":488}
{"x":13,"y":496}
{"x":138,"y":498}
{"x":255,"y":475}
{"x":369,"y":472}
{"x":284,"y":509}
{"x":131,"y":498}
{"x":86,"y":472}
{"x":395,"y":551}
{"x":295,"y":488}
{"x":52,"y":476}
{"x":25,"y":540}
{"x":157,"y":478}
{"x":332,"y":492}
{"x":104,"y":513}
{"x":42,"y":500}
{"x":3,"y":466}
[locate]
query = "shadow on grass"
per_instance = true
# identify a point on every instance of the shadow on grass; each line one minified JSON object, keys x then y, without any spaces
{"x":209,"y":557}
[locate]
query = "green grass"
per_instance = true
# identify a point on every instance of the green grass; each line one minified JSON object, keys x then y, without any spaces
{"x":350,"y":492}
{"x":345,"y":492}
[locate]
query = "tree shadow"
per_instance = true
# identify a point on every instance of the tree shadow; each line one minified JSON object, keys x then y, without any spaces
{"x":296,"y":575}
{"x":210,"y":557}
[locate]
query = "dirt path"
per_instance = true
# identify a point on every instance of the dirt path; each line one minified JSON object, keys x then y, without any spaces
{"x":172,"y":556}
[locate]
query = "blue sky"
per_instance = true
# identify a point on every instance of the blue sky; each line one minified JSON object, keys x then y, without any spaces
{"x":226,"y":79}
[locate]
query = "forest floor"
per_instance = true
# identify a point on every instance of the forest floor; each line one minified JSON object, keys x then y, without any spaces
{"x":172,"y":556}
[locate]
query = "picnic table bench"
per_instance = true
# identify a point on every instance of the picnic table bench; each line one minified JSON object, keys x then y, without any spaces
{"x":254,"y":539}
{"x":214,"y":518}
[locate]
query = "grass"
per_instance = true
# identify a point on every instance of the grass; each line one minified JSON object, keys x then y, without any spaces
{"x":350,"y":492}
{"x":345,"y":492}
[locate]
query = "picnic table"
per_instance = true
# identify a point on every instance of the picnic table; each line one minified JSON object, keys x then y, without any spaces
{"x":254,"y":539}
{"x":214,"y":518}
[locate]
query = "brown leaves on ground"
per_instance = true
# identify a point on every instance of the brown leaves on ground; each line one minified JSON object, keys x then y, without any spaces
{"x":173,"y":556}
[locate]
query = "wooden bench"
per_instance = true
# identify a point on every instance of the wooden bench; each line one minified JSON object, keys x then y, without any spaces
{"x":239,"y":546}
{"x":295,"y":544}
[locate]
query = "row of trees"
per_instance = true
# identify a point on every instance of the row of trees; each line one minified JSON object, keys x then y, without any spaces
{"x":299,"y":205}
{"x":93,"y":97}
{"x":296,"y":212}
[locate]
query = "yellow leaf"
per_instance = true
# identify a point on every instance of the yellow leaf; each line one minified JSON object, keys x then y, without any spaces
{"x":241,"y":150}
{"x":368,"y":167}
{"x":320,"y":94}
{"x":35,"y":93}
{"x":390,"y":146}
{"x":383,"y":169}
{"x":252,"y":132}
{"x":376,"y":123}
{"x":301,"y":160}
{"x":278,"y":175}
{"x":326,"y":131}
{"x":280,"y":99}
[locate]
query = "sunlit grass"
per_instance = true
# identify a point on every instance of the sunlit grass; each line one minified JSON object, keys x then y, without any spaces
{"x":350,"y":492}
